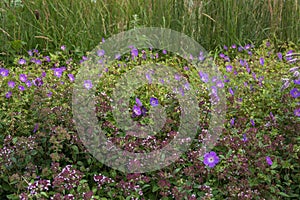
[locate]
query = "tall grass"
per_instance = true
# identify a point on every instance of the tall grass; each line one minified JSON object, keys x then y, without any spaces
{"x":47,"y":24}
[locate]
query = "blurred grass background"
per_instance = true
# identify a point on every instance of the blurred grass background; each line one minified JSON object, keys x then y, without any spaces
{"x":81,"y":24}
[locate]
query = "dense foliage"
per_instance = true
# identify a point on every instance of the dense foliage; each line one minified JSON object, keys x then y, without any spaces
{"x":256,"y":157}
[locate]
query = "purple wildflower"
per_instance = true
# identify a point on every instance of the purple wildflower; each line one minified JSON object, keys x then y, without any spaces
{"x":21,"y":88}
{"x":262,"y":61}
{"x":8,"y":94}
{"x":100,"y":52}
{"x":242,"y":62}
{"x":47,"y":59}
{"x":244,"y":137}
{"x":297,"y":112}
{"x":252,"y":122}
{"x":228,"y":68}
{"x":219,"y":84}
{"x":226,"y":80}
{"x":211,"y":159}
{"x":254,"y":75}
{"x":144,"y":110}
{"x":201,"y":56}
{"x":134,"y":53}
{"x":36,"y":126}
{"x":148,"y":77}
{"x":231,"y":91}
{"x":203,"y":77}
{"x":38,"y":62}
{"x":137,"y":110}
{"x":43,"y":74}
{"x":22,"y":61}
{"x":118,"y":56}
{"x":71,"y":77}
{"x":153,"y":101}
{"x":222,"y":55}
{"x":164,"y":51}
{"x":63,"y":47}
{"x":23,"y":77}
{"x":28,"y":83}
{"x":58,"y":71}
{"x":88,"y":84}
{"x":30,"y":53}
{"x":38,"y":82}
{"x":187,"y":86}
{"x":177,"y":77}
{"x":11,"y":84}
{"x":295,"y":93}
{"x":233,"y":46}
{"x":214,"y":90}
{"x":232,"y":121}
{"x":138,"y":102}
{"x":49,"y":94}
{"x":4,"y":72}
{"x":297,"y":82}
{"x":225,"y":47}
{"x":279,"y":56}
{"x":269,"y":161}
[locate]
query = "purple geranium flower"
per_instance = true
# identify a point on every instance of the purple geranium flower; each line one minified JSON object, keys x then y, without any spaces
{"x":164,"y":51}
{"x":295,"y":93}
{"x":232,"y":121}
{"x":4,"y":72}
{"x":22,"y":61}
{"x":71,"y":77}
{"x":214,"y":90}
{"x":297,"y":82}
{"x":11,"y":84}
{"x":244,"y":137}
{"x":28,"y":83}
{"x":8,"y":94}
{"x":21,"y":88}
{"x":279,"y":55}
{"x":58,"y":71}
{"x":138,"y":102}
{"x":219,"y":84}
{"x":144,"y":110}
{"x":262,"y":61}
{"x":63,"y":47}
{"x":47,"y":59}
{"x":231,"y":91}
{"x":297,"y":112}
{"x":23,"y":77}
{"x":88,"y":84}
{"x":118,"y":56}
{"x":269,"y":161}
{"x":134,"y":52}
{"x":100,"y":52}
{"x":203,"y":77}
{"x":153,"y":101}
{"x":137,"y":110}
{"x":148,"y":77}
{"x":228,"y":68}
{"x":38,"y":82}
{"x":211,"y":159}
{"x":233,"y":46}
{"x":252,"y":122}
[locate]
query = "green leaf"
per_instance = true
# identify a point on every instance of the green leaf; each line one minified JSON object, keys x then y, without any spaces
{"x":155,"y":188}
{"x":283,"y":194}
